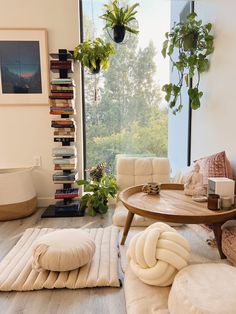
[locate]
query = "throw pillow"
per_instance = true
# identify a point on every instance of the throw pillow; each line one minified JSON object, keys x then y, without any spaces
{"x":216,"y":165}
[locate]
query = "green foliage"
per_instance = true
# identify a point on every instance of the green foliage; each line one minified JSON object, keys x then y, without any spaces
{"x":194,"y":44}
{"x":120,"y":16}
{"x":91,"y":53}
{"x":99,"y":189}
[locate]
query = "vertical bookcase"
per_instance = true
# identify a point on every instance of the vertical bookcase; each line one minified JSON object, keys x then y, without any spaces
{"x":62,"y":104}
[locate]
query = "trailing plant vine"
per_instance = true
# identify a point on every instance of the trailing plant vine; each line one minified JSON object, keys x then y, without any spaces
{"x":194,"y":44}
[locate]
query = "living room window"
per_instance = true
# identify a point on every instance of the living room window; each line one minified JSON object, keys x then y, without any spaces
{"x":124,"y":109}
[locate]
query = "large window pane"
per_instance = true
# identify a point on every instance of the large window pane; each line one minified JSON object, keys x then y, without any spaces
{"x":124,"y":108}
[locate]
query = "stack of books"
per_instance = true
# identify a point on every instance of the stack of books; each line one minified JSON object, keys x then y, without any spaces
{"x":63,"y":81}
{"x":66,"y":193}
{"x":62,"y":65}
{"x":62,"y":177}
{"x":62,"y":95}
{"x":72,"y":207}
{"x":64,"y":163}
{"x":69,"y":151}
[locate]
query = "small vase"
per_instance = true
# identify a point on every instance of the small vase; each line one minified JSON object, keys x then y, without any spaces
{"x":118,"y":33}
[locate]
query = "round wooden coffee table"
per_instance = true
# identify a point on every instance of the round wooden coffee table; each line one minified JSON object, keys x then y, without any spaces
{"x":172,"y":205}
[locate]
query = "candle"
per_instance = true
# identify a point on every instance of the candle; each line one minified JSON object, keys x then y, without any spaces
{"x":213,"y":201}
{"x":226,"y":202}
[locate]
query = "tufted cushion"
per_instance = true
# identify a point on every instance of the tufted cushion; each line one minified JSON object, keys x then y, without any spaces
{"x":204,"y":289}
{"x":157,"y":254}
{"x":137,"y":170}
{"x":63,"y":250}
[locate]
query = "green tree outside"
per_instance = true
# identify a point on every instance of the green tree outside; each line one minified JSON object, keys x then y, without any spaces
{"x":126,"y":118}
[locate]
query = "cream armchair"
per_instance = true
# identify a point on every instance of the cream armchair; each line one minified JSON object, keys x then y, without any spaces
{"x":134,"y":171}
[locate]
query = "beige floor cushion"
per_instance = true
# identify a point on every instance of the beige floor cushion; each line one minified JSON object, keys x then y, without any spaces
{"x":63,"y":250}
{"x":204,"y":289}
{"x":157,"y":254}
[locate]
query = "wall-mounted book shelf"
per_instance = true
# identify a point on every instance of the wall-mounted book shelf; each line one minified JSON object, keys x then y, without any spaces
{"x":62,"y":104}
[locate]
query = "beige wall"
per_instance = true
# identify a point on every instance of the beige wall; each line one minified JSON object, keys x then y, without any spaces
{"x":25,"y":131}
{"x":213,"y":127}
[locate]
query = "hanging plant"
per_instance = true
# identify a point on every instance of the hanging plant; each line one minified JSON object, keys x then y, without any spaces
{"x":194,"y":44}
{"x":94,"y":54}
{"x":120,"y":19}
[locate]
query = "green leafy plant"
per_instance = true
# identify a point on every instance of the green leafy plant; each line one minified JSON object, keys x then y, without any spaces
{"x":120,"y":17}
{"x":100,"y":187}
{"x":194,"y":44}
{"x":94,"y":54}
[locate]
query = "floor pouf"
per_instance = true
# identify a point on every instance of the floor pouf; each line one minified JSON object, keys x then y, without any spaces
{"x":63,"y":250}
{"x":204,"y":289}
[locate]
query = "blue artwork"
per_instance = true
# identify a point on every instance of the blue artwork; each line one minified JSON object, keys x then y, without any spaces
{"x":20,"y":67}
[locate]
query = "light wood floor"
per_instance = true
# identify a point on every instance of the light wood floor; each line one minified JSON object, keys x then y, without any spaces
{"x":83,"y":301}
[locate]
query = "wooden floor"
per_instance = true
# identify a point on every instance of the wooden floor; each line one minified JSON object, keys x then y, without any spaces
{"x":82,"y":301}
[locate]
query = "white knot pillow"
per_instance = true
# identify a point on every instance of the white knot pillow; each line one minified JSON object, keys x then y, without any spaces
{"x":62,"y":250}
{"x":157,"y":254}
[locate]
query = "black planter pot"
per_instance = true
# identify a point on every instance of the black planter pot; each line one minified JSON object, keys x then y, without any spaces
{"x":118,"y":33}
{"x":190,"y":41}
{"x":97,"y":69}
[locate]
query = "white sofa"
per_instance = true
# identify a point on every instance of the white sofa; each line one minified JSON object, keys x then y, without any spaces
{"x":134,"y":171}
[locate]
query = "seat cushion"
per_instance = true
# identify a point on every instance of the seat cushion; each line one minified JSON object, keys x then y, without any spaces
{"x":140,"y":170}
{"x":62,"y":250}
{"x":204,"y":289}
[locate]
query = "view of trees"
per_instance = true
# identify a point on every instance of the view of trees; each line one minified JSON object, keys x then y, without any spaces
{"x":126,"y":117}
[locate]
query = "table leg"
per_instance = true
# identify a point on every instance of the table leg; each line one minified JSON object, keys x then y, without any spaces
{"x":218,"y":237}
{"x":128,"y":222}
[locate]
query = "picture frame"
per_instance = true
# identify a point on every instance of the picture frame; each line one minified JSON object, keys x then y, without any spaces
{"x":24,"y":72}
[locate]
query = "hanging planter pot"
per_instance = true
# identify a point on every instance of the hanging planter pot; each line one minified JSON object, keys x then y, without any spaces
{"x":97,"y":69}
{"x":193,"y":43}
{"x":120,"y":20}
{"x":118,"y":33}
{"x":190,"y":41}
{"x":94,"y":54}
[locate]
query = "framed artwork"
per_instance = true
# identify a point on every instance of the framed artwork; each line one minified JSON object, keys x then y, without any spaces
{"x":24,"y":77}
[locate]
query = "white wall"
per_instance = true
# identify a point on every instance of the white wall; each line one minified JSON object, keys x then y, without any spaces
{"x":25,"y":131}
{"x":213,"y":126}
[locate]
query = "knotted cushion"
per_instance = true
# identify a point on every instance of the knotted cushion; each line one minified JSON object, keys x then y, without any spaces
{"x":157,"y":254}
{"x":63,"y":250}
{"x":204,"y":289}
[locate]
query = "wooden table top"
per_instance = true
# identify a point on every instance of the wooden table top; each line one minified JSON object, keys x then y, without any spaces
{"x":171,"y":205}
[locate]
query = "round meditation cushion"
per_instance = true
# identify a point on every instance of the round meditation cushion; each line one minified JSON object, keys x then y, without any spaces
{"x":62,"y":250}
{"x":157,"y":254}
{"x":204,"y":289}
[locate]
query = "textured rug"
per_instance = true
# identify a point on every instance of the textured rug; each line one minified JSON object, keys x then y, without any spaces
{"x":16,"y":273}
{"x":142,"y":298}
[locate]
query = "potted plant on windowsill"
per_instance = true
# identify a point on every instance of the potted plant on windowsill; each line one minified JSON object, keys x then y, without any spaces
{"x":100,"y":187}
{"x":194,"y":43}
{"x":94,"y":54}
{"x":120,"y":19}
